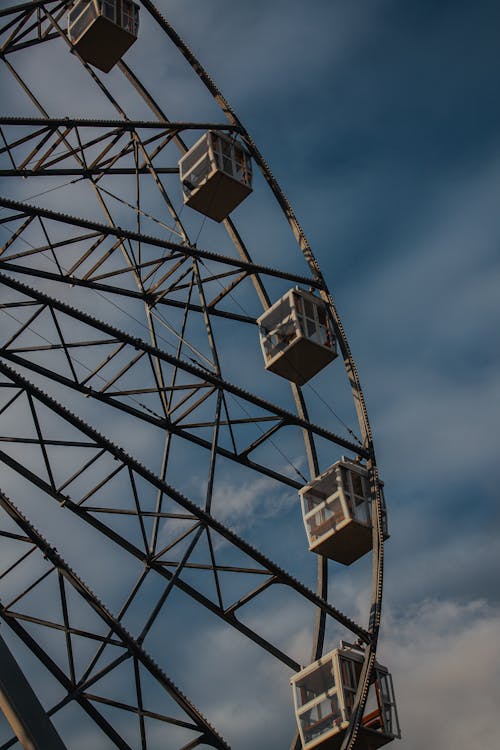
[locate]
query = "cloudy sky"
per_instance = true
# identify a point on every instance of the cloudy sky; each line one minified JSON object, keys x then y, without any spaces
{"x":381,"y":121}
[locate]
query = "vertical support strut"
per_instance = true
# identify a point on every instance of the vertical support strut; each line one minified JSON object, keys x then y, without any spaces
{"x":22,"y":709}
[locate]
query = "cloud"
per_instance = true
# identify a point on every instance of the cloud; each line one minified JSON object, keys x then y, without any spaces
{"x":445,"y":661}
{"x":250,"y":699}
{"x":243,"y":504}
{"x":429,"y":366}
{"x":382,"y":151}
{"x":443,"y":656}
{"x":449,"y":425}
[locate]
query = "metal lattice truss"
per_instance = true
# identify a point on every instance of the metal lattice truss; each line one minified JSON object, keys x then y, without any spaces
{"x":114,"y":646}
{"x":112,"y":314}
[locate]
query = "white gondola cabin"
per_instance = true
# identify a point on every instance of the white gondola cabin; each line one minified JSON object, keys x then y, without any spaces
{"x":324,"y":697}
{"x":101,"y":31}
{"x":336,"y":508}
{"x":216,"y":175}
{"x":296,"y":336}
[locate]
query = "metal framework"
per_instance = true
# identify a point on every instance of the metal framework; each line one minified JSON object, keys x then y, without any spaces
{"x":119,"y":391}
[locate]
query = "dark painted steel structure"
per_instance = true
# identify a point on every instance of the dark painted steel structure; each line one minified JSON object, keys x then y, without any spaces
{"x":49,"y":261}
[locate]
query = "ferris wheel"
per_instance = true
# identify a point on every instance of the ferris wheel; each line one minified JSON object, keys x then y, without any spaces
{"x":186,"y":452}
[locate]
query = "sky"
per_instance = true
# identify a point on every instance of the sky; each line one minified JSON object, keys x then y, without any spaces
{"x":381,"y":122}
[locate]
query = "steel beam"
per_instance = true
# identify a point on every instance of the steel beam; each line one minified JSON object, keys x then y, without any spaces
{"x":125,"y":234}
{"x":204,"y":375}
{"x":23,"y":710}
{"x":84,"y":172}
{"x":27,"y":7}
{"x":130,"y":125}
{"x":208,"y":520}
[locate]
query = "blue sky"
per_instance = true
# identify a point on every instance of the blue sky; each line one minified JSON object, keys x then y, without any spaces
{"x":381,"y":121}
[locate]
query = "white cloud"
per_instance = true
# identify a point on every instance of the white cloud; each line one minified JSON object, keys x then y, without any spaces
{"x":242,"y":504}
{"x":250,"y":699}
{"x":443,"y":655}
{"x":445,"y":660}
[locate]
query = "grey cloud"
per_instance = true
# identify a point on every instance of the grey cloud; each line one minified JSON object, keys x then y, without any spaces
{"x":445,"y":662}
